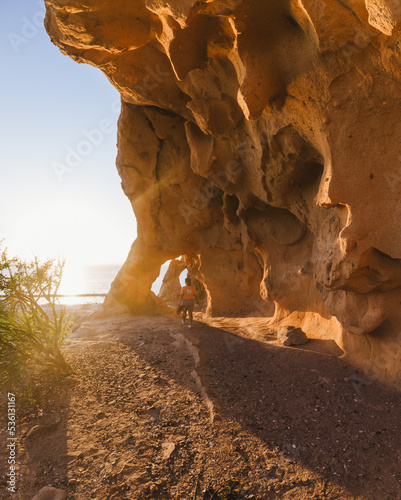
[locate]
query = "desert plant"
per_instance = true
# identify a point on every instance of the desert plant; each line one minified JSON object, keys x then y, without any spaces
{"x":33,"y":325}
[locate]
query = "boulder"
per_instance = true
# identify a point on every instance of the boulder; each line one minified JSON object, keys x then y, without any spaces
{"x":291,"y":335}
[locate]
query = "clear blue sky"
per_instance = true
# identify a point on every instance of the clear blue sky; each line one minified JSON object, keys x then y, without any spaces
{"x":49,"y":106}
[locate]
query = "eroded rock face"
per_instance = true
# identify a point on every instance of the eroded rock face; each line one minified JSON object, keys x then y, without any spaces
{"x":261,"y":140}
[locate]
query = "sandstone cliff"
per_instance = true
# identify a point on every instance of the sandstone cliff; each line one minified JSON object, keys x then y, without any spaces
{"x":261,"y":140}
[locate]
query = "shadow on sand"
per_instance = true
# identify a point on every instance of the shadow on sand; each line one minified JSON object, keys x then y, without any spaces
{"x":312,"y":406}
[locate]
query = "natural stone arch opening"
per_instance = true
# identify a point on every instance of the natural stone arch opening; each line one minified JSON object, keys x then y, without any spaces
{"x":182,"y":277}
{"x":158,"y":283}
{"x":174,"y":279}
{"x":170,"y":288}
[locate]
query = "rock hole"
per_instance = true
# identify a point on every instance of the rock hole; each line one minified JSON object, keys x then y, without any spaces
{"x":182,"y":277}
{"x":230,"y":208}
{"x":312,"y":173}
{"x":170,"y":286}
{"x":159,"y":280}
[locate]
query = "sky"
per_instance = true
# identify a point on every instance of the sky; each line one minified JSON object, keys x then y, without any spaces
{"x":60,"y":194}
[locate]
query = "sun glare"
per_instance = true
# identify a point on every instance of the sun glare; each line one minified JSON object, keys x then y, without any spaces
{"x":70,"y":231}
{"x":72,"y":281}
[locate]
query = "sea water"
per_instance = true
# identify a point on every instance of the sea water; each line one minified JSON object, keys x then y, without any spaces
{"x":92,"y":280}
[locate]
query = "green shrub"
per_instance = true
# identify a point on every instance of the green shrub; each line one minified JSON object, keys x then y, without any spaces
{"x":33,"y":325}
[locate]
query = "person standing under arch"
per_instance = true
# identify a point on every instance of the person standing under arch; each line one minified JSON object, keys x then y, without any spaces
{"x":188,"y":295}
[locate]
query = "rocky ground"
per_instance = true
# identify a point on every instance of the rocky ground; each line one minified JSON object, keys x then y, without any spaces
{"x":156,"y":410}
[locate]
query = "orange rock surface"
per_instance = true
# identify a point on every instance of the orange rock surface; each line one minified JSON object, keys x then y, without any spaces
{"x":261,"y":140}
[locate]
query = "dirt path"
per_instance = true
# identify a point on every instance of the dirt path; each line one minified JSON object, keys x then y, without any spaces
{"x":160,"y":411}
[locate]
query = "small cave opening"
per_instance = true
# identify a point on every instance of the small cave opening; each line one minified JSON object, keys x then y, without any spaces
{"x":158,"y":283}
{"x":168,"y":285}
{"x":171,"y":279}
{"x":311,"y":173}
{"x":183,"y":276}
{"x":230,"y":208}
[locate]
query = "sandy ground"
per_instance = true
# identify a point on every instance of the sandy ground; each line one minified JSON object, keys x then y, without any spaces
{"x":221,"y":411}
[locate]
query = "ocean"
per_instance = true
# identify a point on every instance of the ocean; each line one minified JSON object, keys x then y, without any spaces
{"x":82,"y":280}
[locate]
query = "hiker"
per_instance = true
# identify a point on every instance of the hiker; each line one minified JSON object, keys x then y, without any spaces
{"x":188,"y":294}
